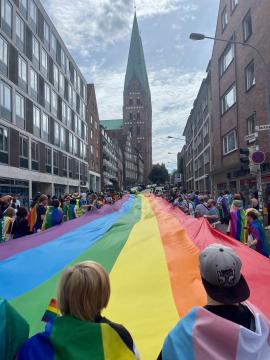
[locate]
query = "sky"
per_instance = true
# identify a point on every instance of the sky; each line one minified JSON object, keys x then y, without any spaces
{"x":97,"y":34}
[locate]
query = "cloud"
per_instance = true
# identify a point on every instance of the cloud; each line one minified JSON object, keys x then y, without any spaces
{"x":173,"y":94}
{"x":90,"y":25}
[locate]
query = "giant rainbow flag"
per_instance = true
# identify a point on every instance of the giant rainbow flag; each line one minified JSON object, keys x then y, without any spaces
{"x":150,"y":250}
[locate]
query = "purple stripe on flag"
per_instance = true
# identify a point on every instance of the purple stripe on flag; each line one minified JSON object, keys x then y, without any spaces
{"x":16,"y":246}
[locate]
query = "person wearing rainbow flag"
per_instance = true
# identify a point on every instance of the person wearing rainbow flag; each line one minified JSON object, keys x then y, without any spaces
{"x":237,"y":224}
{"x":81,"y":332}
{"x":53,"y":216}
{"x":228,"y":327}
{"x":256,"y":234}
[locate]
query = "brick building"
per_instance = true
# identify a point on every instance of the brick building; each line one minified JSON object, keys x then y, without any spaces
{"x":137,"y":107}
{"x":238,"y":91}
{"x":43,"y":128}
{"x":197,"y":149}
{"x":93,"y":139}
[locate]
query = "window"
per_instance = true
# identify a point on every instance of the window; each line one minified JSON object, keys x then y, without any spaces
{"x":54,"y":103}
{"x":228,"y":99}
{"x":226,"y":58}
{"x":64,"y":112}
{"x":20,"y":110}
{"x":250,"y":75}
{"x":5,"y":101}
{"x":130,"y":102}
{"x":247,"y":26}
{"x":22,"y":70}
{"x":36,"y":121}
{"x":234,"y":3}
{"x":33,"y":12}
{"x":79,"y":128}
{"x":35,"y":49}
{"x":33,"y":81}
{"x":63,"y":59}
{"x":55,"y":162}
{"x":224,"y":19}
{"x":53,"y":42}
{"x":251,"y":124}
{"x":44,"y":60}
{"x":48,"y":156}
{"x":24,"y":147}
{"x":34,"y":156}
{"x":46,"y":33}
{"x":69,"y":94}
{"x":206,"y":156}
{"x":19,"y":32}
{"x":138,"y":116}
{"x":34,"y":153}
{"x":229,"y":142}
{"x":130,"y":116}
{"x":81,"y":149}
{"x":68,"y":116}
{"x":62,"y":138}
{"x":3,"y":55}
{"x":45,"y":126}
{"x":23,"y":152}
{"x":74,"y":99}
{"x":206,"y":129}
{"x":61,"y":83}
{"x":3,"y":145}
{"x":47,"y":95}
{"x":6,"y":14}
{"x":138,"y":101}
{"x":23,"y":7}
{"x":76,"y":123}
{"x":75,"y":145}
{"x":70,"y":143}
{"x":55,"y":75}
{"x":56,"y":133}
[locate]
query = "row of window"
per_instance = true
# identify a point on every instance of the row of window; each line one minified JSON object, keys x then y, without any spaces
{"x":133,"y":102}
{"x":50,"y":96}
{"x":229,"y":98}
{"x":35,"y":155}
{"x":247,"y":22}
{"x":29,"y":10}
{"x":39,"y":130}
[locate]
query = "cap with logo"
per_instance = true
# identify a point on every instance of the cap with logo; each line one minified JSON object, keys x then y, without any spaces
{"x":221,"y":275}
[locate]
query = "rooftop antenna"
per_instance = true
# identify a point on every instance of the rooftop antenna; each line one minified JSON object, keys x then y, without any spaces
{"x":135,"y":7}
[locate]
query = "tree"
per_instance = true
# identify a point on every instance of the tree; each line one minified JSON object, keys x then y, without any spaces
{"x":159,"y":174}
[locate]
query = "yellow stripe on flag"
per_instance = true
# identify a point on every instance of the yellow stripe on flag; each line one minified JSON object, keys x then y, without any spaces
{"x":141,"y":298}
{"x":113,"y":345}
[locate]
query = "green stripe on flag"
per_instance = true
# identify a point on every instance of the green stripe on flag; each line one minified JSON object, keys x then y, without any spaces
{"x":33,"y":304}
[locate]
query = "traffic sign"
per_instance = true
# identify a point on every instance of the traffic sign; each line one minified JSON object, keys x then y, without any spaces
{"x":251,"y":137}
{"x":258,"y":157}
{"x":262,"y":127}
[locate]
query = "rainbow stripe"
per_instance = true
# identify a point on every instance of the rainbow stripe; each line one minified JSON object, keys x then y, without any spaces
{"x":151,"y":251}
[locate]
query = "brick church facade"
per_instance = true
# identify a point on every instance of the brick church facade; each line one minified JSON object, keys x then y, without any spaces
{"x":137,"y":107}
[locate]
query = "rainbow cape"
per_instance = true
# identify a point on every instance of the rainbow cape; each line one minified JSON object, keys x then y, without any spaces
{"x":32,"y":217}
{"x":237,"y":225}
{"x":68,"y":338}
{"x":151,"y":250}
{"x":53,"y":216}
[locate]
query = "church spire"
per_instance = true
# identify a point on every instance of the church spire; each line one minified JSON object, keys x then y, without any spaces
{"x":136,"y":68}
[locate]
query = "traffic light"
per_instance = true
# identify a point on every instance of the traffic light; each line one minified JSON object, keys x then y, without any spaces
{"x":244,"y":159}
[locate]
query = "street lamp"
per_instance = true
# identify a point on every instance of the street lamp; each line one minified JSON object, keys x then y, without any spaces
{"x":198,"y":37}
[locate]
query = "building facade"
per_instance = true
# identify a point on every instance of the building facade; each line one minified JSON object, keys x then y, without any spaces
{"x":110,"y":155}
{"x":93,"y":139}
{"x":197,"y":133}
{"x":137,"y":107}
{"x":43,"y":128}
{"x":240,"y":80}
{"x":133,"y":163}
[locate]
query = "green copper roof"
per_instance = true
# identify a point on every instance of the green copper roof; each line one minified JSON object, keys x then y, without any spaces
{"x":114,"y":124}
{"x":136,"y":68}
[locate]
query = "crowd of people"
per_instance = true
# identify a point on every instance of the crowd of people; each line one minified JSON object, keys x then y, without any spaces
{"x":47,"y":211}
{"x":242,"y":221}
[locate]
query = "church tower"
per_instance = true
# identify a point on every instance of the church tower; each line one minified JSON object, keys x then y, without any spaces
{"x":137,"y":109}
